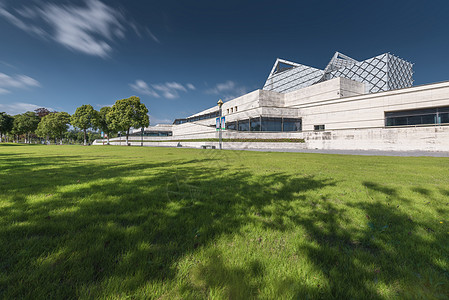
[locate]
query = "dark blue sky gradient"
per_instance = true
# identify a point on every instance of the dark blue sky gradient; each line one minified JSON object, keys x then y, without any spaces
{"x":231,"y":45}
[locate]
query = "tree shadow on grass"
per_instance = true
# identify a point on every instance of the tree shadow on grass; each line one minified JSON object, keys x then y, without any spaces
{"x":121,"y":230}
{"x":116,"y":233}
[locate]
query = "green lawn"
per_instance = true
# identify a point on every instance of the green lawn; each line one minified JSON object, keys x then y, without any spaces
{"x":166,"y":223}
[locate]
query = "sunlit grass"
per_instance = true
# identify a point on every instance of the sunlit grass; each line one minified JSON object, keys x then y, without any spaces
{"x":130,"y":222}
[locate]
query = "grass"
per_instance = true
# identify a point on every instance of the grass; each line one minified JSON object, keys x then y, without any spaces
{"x":165,"y":223}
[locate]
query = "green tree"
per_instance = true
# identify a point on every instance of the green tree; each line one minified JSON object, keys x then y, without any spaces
{"x":103,"y":123}
{"x":26,"y":123}
{"x":17,"y":130}
{"x":84,"y":118}
{"x":127,"y":113}
{"x":6,"y":124}
{"x":54,"y":125}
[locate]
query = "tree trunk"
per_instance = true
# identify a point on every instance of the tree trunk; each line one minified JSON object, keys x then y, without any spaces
{"x":108,"y":137}
{"x":85,"y":137}
{"x":127,"y":134}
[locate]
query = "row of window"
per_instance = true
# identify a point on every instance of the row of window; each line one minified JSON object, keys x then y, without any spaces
{"x":231,"y":110}
{"x":265,"y":124}
{"x":153,"y":133}
{"x":197,"y":118}
{"x":439,"y":115}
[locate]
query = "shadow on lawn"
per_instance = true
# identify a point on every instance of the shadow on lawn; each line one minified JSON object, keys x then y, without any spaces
{"x":116,"y":235}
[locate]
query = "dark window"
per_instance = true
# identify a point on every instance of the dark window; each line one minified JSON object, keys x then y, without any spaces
{"x":292,"y":124}
{"x":243,"y":125}
{"x":255,"y":124}
{"x":417,"y":116}
{"x":271,"y":124}
{"x":444,"y":118}
{"x":318,"y":127}
{"x":231,"y":125}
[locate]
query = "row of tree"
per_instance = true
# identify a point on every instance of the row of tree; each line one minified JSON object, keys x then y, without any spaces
{"x":121,"y":117}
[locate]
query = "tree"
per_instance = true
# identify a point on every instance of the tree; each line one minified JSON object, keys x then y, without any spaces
{"x":103,"y":123}
{"x":84,"y":118}
{"x":127,"y":113}
{"x":6,"y":124}
{"x":41,"y":112}
{"x":26,"y":123}
{"x":16,"y":130}
{"x":54,"y":125}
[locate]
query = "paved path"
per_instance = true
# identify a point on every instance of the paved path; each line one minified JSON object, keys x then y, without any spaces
{"x":360,"y":152}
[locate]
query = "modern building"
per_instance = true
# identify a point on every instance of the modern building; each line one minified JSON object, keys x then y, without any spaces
{"x":350,"y":104}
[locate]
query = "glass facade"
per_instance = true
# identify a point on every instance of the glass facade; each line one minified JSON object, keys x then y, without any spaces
{"x":197,"y":118}
{"x":271,"y":124}
{"x":231,"y":125}
{"x":255,"y":124}
{"x":291,"y":124}
{"x":266,"y":124}
{"x":153,"y":133}
{"x":243,"y":125}
{"x":427,"y":116}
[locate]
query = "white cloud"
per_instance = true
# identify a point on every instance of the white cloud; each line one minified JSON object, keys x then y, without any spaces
{"x":155,"y":120}
{"x":168,"y":90}
{"x":142,"y":87}
{"x":227,"y":90}
{"x":19,"y":107}
{"x":18,"y":81}
{"x":89,"y":29}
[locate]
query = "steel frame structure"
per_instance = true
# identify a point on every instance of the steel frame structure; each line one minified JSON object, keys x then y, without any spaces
{"x":384,"y":72}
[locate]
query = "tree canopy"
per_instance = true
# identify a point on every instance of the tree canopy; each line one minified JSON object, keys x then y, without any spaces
{"x":26,"y":123}
{"x":84,"y":118}
{"x":54,"y":125}
{"x":6,"y":124}
{"x":41,"y":112}
{"x":103,"y":123}
{"x":127,"y":113}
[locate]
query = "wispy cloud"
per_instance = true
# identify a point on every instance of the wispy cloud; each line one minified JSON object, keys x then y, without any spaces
{"x":19,"y":107}
{"x":168,"y":90}
{"x":155,"y":120}
{"x":90,"y":29}
{"x":17,"y":82}
{"x":142,"y":87}
{"x":227,"y":90}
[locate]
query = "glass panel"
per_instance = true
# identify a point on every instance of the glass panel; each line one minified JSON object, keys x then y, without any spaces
{"x":231,"y":125}
{"x":255,"y":124}
{"x":414,"y":112}
{"x":292,"y":124}
{"x":414,"y":120}
{"x":444,"y":118}
{"x":318,"y":127}
{"x":443,"y":109}
{"x":271,"y":124}
{"x":428,"y":119}
{"x":243,"y":125}
{"x":389,"y":122}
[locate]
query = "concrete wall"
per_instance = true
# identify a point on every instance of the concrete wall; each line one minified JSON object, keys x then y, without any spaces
{"x":429,"y":138}
{"x":367,"y":111}
{"x":424,"y":138}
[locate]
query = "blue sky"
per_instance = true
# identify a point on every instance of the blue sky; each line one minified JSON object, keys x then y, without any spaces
{"x":180,"y":57}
